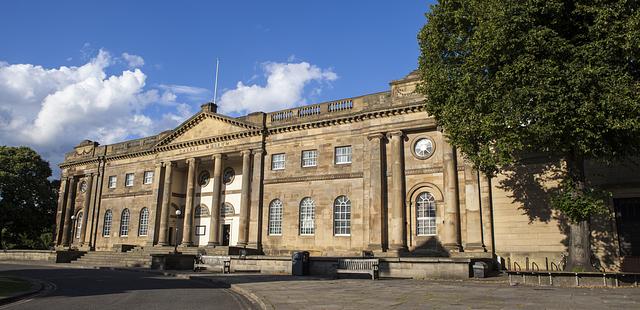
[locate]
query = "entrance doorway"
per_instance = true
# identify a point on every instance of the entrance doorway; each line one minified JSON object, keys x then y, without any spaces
{"x":226,"y":234}
{"x":628,"y":222}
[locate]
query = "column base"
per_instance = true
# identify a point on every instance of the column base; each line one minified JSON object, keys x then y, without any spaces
{"x":213,"y":244}
{"x":253,"y":245}
{"x":474,"y":247}
{"x":452,"y":247}
{"x":186,"y":244}
{"x":397,"y":249}
{"x":163,"y":244}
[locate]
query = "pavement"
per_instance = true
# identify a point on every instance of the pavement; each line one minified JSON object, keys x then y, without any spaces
{"x":76,"y":288}
{"x":290,"y":292}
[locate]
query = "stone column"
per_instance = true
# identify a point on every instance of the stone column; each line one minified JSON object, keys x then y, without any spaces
{"x":66,"y":235}
{"x":486,"y":211}
{"x":451,"y":235}
{"x":255,"y":214}
{"x":377,"y":212}
{"x":245,"y":199}
{"x":87,"y":204}
{"x":214,"y":229}
{"x":188,"y":206}
{"x":60,"y":215}
{"x":397,"y":227}
{"x":472,"y":204}
{"x":153,"y":212}
{"x":163,"y":233}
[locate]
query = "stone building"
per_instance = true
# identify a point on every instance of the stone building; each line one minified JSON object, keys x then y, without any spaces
{"x":368,"y":173}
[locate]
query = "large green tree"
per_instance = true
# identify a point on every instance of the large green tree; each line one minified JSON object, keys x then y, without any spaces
{"x":27,"y":199}
{"x":562,"y":77}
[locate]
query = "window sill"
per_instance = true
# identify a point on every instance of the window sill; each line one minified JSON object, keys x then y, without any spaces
{"x":342,"y":235}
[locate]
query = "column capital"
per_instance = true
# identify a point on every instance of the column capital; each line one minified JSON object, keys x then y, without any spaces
{"x":191,"y":160}
{"x":392,"y":134}
{"x":377,"y":135}
{"x":217,"y":156}
{"x":169,"y":163}
{"x":258,"y":152}
{"x":245,"y":152}
{"x":159,"y":165}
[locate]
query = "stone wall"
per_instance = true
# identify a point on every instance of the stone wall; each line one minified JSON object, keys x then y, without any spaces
{"x":28,"y":255}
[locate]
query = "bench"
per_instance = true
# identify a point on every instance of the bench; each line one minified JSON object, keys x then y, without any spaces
{"x":359,"y":265}
{"x":203,"y":262}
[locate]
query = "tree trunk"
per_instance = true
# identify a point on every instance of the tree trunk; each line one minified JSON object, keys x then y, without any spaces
{"x":579,"y":237}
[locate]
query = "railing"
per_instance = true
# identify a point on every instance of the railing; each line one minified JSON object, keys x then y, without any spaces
{"x":306,"y":111}
{"x":280,"y":116}
{"x":317,"y":109}
{"x":341,"y":105}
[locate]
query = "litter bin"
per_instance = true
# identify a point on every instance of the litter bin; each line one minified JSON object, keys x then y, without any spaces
{"x":300,"y":263}
{"x":480,"y":270}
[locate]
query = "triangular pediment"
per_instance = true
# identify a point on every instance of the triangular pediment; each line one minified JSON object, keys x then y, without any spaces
{"x":204,"y":125}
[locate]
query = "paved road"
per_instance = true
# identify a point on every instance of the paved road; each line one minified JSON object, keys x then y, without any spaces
{"x":112,"y":289}
{"x":288,"y":292}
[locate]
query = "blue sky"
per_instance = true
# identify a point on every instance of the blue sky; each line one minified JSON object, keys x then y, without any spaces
{"x":159,"y":58}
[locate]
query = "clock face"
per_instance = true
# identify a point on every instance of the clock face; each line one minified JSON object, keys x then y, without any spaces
{"x":423,"y":148}
{"x":203,"y":178}
{"x":83,"y":186}
{"x":228,"y":176}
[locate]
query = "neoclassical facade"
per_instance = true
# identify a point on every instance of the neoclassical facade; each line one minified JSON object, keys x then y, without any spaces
{"x":368,"y":173}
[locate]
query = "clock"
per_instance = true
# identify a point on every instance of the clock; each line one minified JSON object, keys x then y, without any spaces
{"x":423,"y":148}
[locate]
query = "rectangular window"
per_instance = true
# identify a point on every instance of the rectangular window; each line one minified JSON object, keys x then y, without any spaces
{"x":310,"y":158}
{"x":148,"y":177}
{"x":200,"y":230}
{"x":277,"y":161}
{"x":343,"y":155}
{"x":112,"y":181}
{"x":128,"y":179}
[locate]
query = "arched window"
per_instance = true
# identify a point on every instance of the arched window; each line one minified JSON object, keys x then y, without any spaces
{"x":307,"y":216}
{"x":342,"y":216}
{"x":106,"y":228}
{"x":426,"y":214}
{"x":78,"y":224}
{"x":143,"y":228}
{"x":124,"y":223}
{"x":227,"y":209}
{"x":201,"y":211}
{"x":275,"y":217}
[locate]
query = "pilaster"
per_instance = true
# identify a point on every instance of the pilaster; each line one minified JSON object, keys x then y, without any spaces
{"x":255,"y":215}
{"x":377,"y":184}
{"x":397,"y":242}
{"x":451,"y":235}
{"x":473,"y":241}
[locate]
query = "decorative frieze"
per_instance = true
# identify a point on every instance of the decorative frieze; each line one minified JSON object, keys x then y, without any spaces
{"x":355,"y":175}
{"x":130,"y":194}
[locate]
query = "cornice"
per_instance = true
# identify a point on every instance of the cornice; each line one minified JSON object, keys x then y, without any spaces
{"x":190,"y":123}
{"x":353,"y":118}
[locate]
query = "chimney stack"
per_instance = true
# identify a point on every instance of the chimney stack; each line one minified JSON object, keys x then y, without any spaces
{"x":209,"y":107}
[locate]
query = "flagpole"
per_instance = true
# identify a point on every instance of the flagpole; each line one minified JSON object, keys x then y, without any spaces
{"x":215,"y":87}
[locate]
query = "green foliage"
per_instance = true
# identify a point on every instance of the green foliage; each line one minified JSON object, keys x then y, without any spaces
{"x":27,"y":198}
{"x":555,"y":76}
{"x":579,"y":204}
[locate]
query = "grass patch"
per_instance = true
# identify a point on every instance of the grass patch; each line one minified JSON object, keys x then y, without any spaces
{"x":10,"y":286}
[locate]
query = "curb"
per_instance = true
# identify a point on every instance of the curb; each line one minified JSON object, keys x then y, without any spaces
{"x":36,"y":287}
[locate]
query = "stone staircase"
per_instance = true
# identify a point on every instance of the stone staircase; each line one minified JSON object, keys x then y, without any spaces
{"x":138,"y":256}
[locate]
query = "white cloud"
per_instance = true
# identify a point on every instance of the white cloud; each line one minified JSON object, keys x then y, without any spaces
{"x":284,"y":88}
{"x":133,"y":61}
{"x":194,"y":92}
{"x":52,"y":110}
